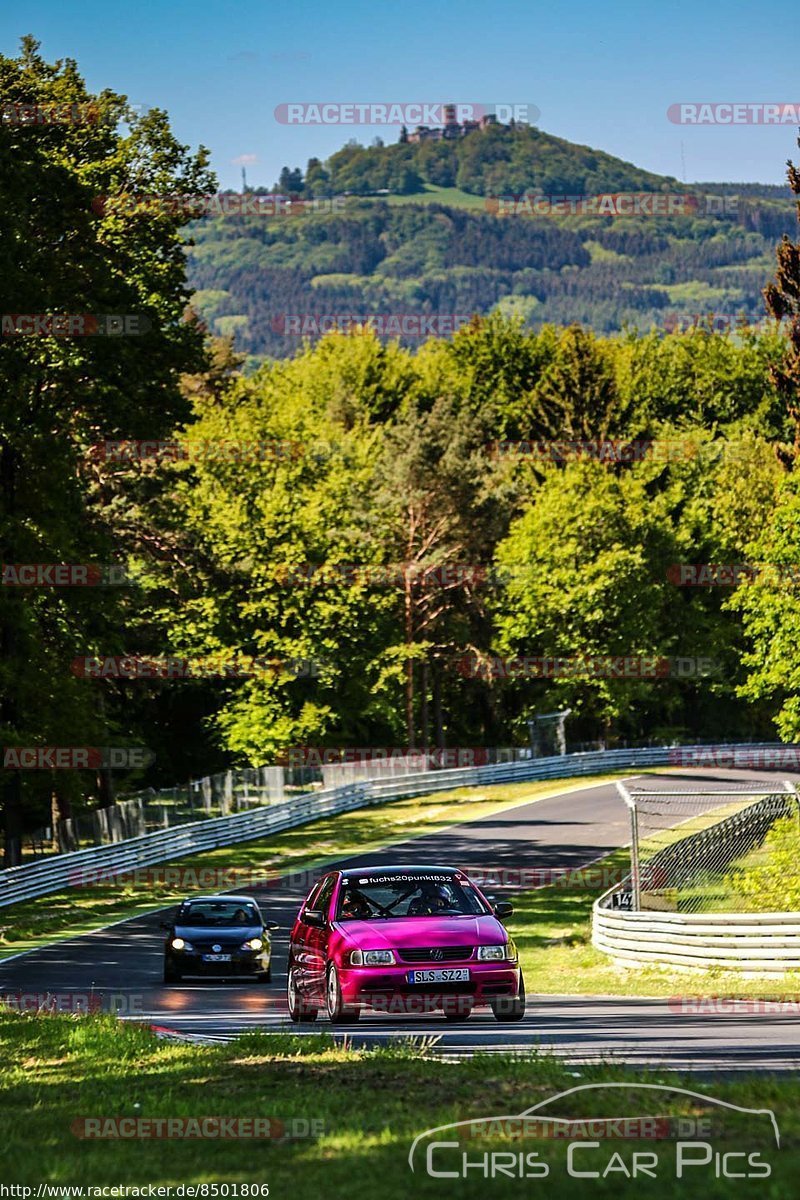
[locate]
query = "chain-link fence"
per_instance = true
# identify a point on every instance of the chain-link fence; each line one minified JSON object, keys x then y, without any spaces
{"x":690,"y":848}
{"x":212,"y":796}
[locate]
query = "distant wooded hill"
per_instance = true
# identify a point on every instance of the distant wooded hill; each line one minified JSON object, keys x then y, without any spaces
{"x":432,"y":245}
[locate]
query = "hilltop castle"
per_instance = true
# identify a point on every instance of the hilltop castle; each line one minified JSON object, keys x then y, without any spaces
{"x":451,"y":128}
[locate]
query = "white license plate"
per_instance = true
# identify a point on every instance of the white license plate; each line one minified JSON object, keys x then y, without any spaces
{"x":446,"y":975}
{"x":216,"y":958}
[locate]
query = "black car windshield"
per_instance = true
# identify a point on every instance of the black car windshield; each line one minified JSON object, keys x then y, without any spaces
{"x":218,"y":912}
{"x":364,"y":898}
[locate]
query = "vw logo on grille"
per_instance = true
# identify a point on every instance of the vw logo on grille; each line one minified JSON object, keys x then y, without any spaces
{"x":216,"y":949}
{"x":437,"y":954}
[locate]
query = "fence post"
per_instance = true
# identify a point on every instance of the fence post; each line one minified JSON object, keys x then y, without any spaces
{"x":274,"y":784}
{"x":636,"y":887}
{"x":791,"y":788}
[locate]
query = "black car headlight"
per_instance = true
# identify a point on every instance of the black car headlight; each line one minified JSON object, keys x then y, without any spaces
{"x":255,"y":943}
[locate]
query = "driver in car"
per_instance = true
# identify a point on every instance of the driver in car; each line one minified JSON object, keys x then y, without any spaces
{"x":355,"y":906}
{"x":433,"y":899}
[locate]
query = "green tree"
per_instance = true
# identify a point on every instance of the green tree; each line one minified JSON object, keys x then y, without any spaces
{"x":782,"y":297}
{"x":770,"y":612}
{"x":63,"y":253}
{"x":272,"y":539}
{"x":577,"y":396}
{"x":290,"y":182}
{"x":584,"y":571}
{"x":441,"y":514}
{"x":317,"y":181}
{"x":769,"y":603}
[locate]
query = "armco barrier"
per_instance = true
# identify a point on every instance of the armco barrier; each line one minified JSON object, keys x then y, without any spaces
{"x":67,"y":870}
{"x":748,"y":943}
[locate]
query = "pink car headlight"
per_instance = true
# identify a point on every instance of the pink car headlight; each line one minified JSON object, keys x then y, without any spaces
{"x":504,"y":953}
{"x":371,"y":958}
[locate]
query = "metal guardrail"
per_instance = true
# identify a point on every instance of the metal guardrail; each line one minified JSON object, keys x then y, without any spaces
{"x":748,"y":943}
{"x":63,"y":871}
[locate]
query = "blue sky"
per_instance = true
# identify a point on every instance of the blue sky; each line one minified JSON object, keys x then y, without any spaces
{"x":600,"y":74}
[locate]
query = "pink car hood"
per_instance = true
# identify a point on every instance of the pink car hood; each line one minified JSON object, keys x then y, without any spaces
{"x":403,"y":932}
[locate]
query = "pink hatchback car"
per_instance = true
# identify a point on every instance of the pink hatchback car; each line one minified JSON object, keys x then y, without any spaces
{"x":402,"y":939}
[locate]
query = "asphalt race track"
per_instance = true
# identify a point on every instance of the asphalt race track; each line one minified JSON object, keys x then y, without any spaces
{"x":119,"y":968}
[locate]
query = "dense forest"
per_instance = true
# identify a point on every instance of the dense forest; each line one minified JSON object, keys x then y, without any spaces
{"x":377,"y":544}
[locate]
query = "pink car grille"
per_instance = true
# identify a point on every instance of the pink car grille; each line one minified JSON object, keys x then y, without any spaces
{"x":436,"y":954}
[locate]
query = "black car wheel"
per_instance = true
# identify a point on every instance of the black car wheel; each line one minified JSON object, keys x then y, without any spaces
{"x":299,"y":1011}
{"x":171,"y":973}
{"x":510,"y":1008}
{"x":339,"y":1013}
{"x":265,"y":976}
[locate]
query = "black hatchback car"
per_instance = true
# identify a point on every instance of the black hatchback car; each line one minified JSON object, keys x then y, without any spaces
{"x":218,"y":935}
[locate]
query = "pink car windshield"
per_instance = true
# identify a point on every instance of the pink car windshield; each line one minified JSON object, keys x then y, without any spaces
{"x":370,"y":898}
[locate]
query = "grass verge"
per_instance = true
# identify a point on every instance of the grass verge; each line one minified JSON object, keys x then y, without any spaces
{"x":368,"y":1107}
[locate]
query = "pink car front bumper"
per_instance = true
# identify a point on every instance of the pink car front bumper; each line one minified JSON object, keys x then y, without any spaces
{"x":388,"y":987}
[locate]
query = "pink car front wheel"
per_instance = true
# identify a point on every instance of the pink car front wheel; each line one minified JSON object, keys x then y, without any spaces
{"x":339,"y":1013}
{"x":299,"y":1011}
{"x":510,"y":1008}
{"x":457,"y":1008}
